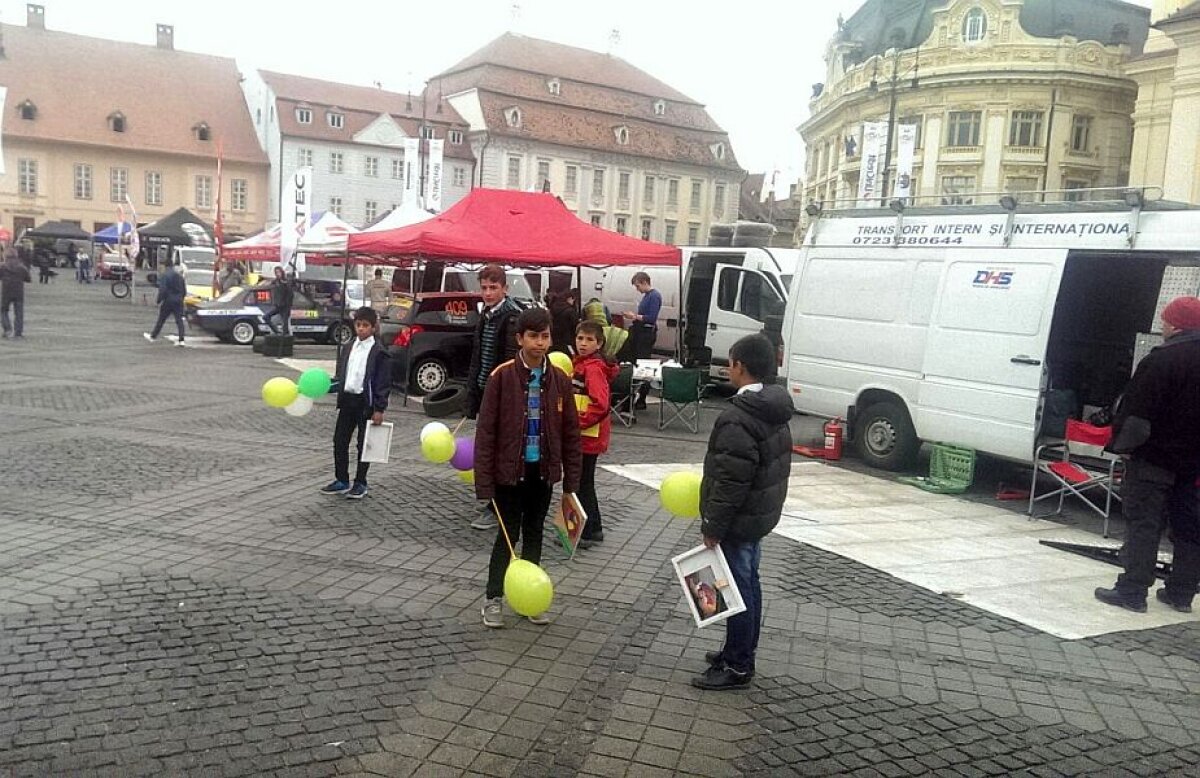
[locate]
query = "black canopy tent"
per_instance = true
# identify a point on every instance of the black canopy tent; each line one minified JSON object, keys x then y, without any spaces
{"x":58,"y":230}
{"x":178,"y":228}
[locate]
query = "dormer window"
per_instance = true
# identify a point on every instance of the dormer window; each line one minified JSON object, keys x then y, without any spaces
{"x":660,"y":107}
{"x":336,"y":120}
{"x":203,"y":133}
{"x":555,"y":86}
{"x":426,"y":132}
{"x":512,"y":116}
{"x":28,"y":110}
{"x":304,"y":116}
{"x":974,"y":25}
{"x":622,"y":135}
{"x":718,"y":150}
{"x":116,"y":122}
{"x":456,"y":137}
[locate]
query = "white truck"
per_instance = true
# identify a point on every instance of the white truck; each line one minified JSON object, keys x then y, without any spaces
{"x":956,"y":324}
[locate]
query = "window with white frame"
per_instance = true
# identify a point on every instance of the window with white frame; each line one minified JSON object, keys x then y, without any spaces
{"x":974,"y":25}
{"x":335,"y":206}
{"x":647,"y":228}
{"x":239,"y":194}
{"x":154,"y":187}
{"x":1025,"y":129}
{"x":336,"y":120}
{"x":83,"y":181}
{"x":427,"y":132}
{"x":571,"y":187}
{"x":958,"y":190}
{"x":622,"y":225}
{"x":459,"y":176}
{"x":304,"y":158}
{"x":623,"y":185}
{"x":304,"y":116}
{"x":669,"y":233}
{"x":660,"y":107}
{"x":513,"y":178}
{"x":962,"y":128}
{"x":673,"y":192}
{"x":370,"y":210}
{"x":371,"y":167}
{"x":543,"y":178}
{"x":719,"y":200}
{"x":648,"y":192}
{"x":598,"y":182}
{"x":398,"y":169}
{"x":622,"y":135}
{"x":337,"y":162}
{"x":27,"y":176}
{"x":204,"y":191}
{"x":455,"y":137}
{"x":554,"y":86}
{"x":1081,"y":133}
{"x":118,"y":184}
{"x":697,"y":194}
{"x":512,"y":116}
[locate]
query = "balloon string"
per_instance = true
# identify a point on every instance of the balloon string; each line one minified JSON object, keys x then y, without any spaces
{"x":460,"y":424}
{"x":500,"y":521}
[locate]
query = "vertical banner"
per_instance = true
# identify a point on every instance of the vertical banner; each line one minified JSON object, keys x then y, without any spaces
{"x":433,"y":187}
{"x":3,"y":97}
{"x":869,"y":173}
{"x":412,"y":171}
{"x":295,"y":209}
{"x":906,"y":151}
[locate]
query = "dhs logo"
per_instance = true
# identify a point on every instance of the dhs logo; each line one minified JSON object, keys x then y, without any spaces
{"x":992,"y":279}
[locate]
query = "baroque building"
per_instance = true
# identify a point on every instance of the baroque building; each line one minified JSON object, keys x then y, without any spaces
{"x":622,"y":149}
{"x":1006,"y":95}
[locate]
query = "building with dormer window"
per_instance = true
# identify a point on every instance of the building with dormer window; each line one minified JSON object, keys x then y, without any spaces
{"x":622,"y":149}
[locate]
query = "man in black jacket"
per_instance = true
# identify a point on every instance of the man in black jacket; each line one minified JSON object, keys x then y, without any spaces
{"x":1157,"y":430}
{"x":13,"y":277}
{"x":281,"y":304}
{"x":363,"y":383}
{"x":172,"y":288}
{"x":745,"y":483}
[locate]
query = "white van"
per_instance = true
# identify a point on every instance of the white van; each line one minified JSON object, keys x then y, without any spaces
{"x":960,"y":330}
{"x":723,"y":293}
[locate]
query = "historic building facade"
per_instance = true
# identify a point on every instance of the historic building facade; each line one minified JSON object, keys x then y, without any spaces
{"x":622,"y":149}
{"x":353,"y":138}
{"x":1006,"y":95}
{"x":89,"y":122}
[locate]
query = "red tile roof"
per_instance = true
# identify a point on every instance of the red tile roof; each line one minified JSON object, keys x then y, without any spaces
{"x":360,"y":106}
{"x":162,"y":93}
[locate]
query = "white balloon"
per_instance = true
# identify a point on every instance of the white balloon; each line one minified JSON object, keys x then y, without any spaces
{"x":433,"y":426}
{"x":300,"y":406}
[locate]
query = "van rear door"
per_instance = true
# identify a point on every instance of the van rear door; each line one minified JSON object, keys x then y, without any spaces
{"x":986,"y":351}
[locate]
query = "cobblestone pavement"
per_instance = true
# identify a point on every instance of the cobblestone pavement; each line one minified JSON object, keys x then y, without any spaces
{"x":175,"y":597}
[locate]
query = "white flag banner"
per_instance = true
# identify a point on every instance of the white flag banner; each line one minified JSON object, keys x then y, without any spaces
{"x":906,"y":152}
{"x":412,"y":173}
{"x":433,"y":187}
{"x":295,"y":210}
{"x":870,"y":172}
{"x":3,"y":97}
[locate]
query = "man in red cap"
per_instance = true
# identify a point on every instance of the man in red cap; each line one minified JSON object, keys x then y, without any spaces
{"x":1157,"y":430}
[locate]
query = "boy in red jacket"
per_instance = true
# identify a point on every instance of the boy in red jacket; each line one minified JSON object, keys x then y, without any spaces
{"x":592,"y":396}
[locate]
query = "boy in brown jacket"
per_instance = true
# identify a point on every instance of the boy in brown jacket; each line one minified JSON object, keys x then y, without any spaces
{"x":526,"y":440}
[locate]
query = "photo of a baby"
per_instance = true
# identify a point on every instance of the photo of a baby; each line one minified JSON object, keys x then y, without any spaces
{"x":706,"y":592}
{"x":709,"y":590}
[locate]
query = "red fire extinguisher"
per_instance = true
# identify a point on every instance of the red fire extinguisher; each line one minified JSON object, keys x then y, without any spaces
{"x":833,"y":439}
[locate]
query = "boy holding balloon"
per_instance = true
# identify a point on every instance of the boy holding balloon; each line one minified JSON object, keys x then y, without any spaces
{"x":364,"y":381}
{"x":746,"y":472}
{"x":526,"y":440}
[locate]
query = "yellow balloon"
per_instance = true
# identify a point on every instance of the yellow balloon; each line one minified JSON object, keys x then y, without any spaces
{"x":466,"y":476}
{"x":279,"y":392}
{"x":562,"y":362}
{"x":680,"y":494}
{"x":527,"y":588}
{"x":438,"y":446}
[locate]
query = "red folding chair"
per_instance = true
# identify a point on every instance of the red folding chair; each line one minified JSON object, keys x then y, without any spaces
{"x":1079,"y":467}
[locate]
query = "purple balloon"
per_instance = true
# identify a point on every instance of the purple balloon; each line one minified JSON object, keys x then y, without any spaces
{"x":464,"y":454}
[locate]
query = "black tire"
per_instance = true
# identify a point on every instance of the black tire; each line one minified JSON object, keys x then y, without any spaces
{"x":429,"y":376}
{"x":244,"y":332}
{"x":448,"y":402}
{"x":340,"y":333}
{"x":885,"y":438}
{"x":120,"y":290}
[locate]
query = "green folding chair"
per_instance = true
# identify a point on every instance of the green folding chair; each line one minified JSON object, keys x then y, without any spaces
{"x":682,"y":388}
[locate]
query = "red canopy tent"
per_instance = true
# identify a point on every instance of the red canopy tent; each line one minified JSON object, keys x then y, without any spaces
{"x":512,"y":228}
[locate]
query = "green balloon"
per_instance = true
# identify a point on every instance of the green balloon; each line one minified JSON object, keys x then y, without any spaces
{"x":527,"y":588}
{"x":438,"y":446}
{"x":680,"y":494}
{"x":314,"y":382}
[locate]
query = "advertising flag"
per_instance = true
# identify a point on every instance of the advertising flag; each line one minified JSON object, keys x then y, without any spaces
{"x":870,"y":173}
{"x":295,"y":210}
{"x":906,"y":151}
{"x":412,"y":172}
{"x":3,"y":96}
{"x":135,"y":239}
{"x":433,"y":193}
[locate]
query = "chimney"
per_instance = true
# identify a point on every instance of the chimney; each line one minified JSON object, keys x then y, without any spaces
{"x":166,"y":36}
{"x":35,"y":16}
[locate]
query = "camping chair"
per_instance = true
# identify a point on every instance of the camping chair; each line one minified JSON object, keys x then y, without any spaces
{"x":622,"y":396}
{"x":1080,"y":467}
{"x":682,"y":388}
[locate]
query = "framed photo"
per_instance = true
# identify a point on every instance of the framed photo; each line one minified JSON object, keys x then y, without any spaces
{"x":377,"y":442}
{"x":708,"y":585}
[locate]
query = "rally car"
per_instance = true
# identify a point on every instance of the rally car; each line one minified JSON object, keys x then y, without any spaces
{"x":238,"y":316}
{"x":430,"y":336}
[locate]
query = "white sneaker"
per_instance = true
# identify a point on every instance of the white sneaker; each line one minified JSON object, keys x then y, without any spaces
{"x":180,"y":343}
{"x":148,"y":337}
{"x":493,"y":613}
{"x":541,"y":619}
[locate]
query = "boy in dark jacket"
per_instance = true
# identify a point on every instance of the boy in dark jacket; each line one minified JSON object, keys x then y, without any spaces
{"x":593,"y":374}
{"x":527,"y":440}
{"x":363,"y":384}
{"x":172,"y":288}
{"x":745,"y":484}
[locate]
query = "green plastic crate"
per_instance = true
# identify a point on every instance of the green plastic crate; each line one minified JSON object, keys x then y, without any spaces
{"x":951,"y":470}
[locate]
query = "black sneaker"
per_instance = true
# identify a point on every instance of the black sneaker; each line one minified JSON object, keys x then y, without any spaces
{"x":1121,"y":599}
{"x":335,"y":487}
{"x":721,"y":679}
{"x":1163,"y":596}
{"x":717,"y":659}
{"x":357,"y":492}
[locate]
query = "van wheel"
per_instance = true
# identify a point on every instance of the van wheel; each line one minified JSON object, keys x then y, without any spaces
{"x":243,"y":332}
{"x":429,"y":376}
{"x":885,"y":438}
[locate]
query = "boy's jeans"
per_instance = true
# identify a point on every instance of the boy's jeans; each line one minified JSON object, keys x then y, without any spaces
{"x":741,"y":630}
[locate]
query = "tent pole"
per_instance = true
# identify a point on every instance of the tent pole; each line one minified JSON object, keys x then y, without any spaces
{"x":345,"y":289}
{"x":679,"y":313}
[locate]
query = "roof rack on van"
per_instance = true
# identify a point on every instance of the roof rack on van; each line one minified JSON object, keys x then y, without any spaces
{"x":1094,"y":200}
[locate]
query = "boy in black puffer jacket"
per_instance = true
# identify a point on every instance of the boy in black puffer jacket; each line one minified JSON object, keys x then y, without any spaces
{"x":745,"y":484}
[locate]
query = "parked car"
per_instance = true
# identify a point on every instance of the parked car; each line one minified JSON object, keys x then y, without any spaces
{"x":113,"y":267}
{"x":430,"y":336}
{"x":237,"y":316}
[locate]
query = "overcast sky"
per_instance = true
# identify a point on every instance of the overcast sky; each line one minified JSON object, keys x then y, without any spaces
{"x":752,"y":62}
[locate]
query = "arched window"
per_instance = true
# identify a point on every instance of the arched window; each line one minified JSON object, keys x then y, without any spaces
{"x":513,"y":116}
{"x":555,"y":86}
{"x":660,"y":107}
{"x":203,"y":133}
{"x":974,"y":25}
{"x":622,"y":134}
{"x":28,"y":111}
{"x":116,"y":122}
